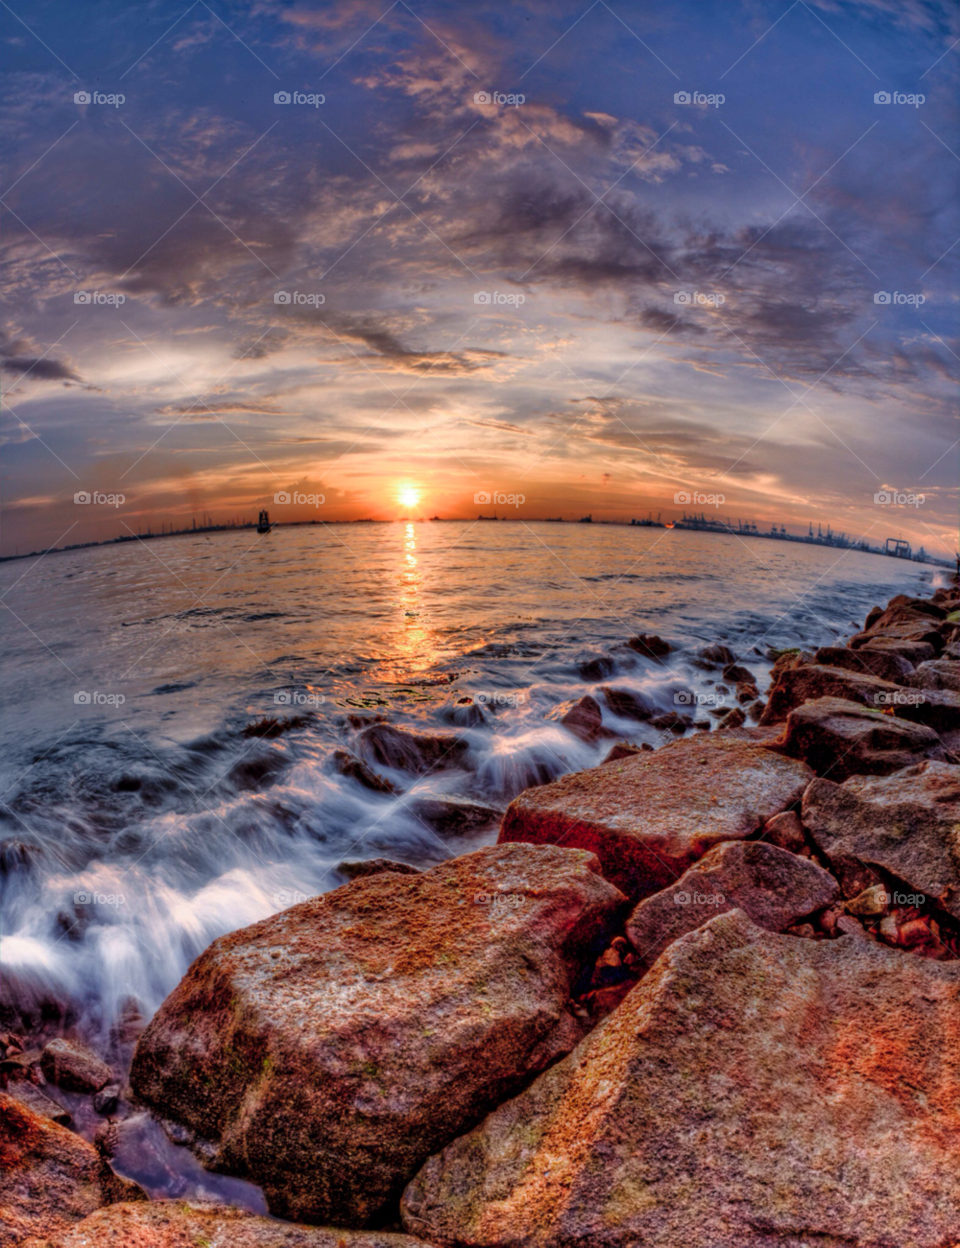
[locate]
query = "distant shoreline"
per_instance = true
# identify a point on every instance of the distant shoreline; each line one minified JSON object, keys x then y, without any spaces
{"x":831,"y":542}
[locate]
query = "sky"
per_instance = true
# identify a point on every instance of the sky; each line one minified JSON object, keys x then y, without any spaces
{"x":545,"y":258}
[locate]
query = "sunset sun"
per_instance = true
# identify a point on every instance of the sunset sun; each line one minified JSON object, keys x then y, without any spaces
{"x":408,"y":496}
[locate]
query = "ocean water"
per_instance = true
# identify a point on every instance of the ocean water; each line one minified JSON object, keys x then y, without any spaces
{"x":138,"y":822}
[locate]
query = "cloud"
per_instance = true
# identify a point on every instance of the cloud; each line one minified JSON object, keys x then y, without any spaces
{"x":30,"y":368}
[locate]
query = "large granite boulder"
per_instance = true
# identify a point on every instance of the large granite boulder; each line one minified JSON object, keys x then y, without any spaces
{"x":797,"y":685}
{"x":49,"y":1177}
{"x":652,"y":816}
{"x":773,"y":887}
{"x":328,"y":1050}
{"x":907,"y":824}
{"x":190,"y":1224}
{"x":839,"y":738}
{"x":752,"y":1091}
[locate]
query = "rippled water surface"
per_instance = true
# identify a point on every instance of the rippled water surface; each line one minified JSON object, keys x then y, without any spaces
{"x":137,"y":831}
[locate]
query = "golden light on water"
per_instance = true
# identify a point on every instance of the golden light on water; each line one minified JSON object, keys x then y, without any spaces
{"x":408,"y":495}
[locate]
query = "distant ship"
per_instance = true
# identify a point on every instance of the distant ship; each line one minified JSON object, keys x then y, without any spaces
{"x":263,"y":524}
{"x":586,"y":519}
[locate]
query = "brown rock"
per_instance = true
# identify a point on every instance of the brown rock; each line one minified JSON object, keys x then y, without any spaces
{"x":738,"y":675}
{"x":786,"y":832}
{"x":416,"y":752}
{"x":73,"y":1066}
{"x":913,"y":651}
{"x":924,"y":605}
{"x":907,"y":824}
{"x":330,"y":1049}
{"x":753,"y":1090}
{"x":773,"y":887}
{"x":938,"y":674}
{"x":939,"y":709}
{"x":797,"y":685}
{"x":29,"y":1094}
{"x":886,"y":664}
{"x":734,"y":718}
{"x":653,"y":816}
{"x":840,"y":739}
{"x":619,"y":751}
{"x":448,"y":815}
{"x":627,"y":703}
{"x":48,"y":1175}
{"x":183,"y":1224}
{"x":358,"y":870}
{"x":582,"y":717}
{"x":650,"y":645}
{"x":348,"y":764}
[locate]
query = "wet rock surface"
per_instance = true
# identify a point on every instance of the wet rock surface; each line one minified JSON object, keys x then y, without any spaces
{"x":330,"y":1049}
{"x":182,"y":1224}
{"x":839,"y":738}
{"x":582,"y":717}
{"x":415,"y":752}
{"x":797,"y":685}
{"x":73,"y":1066}
{"x":773,"y":887}
{"x":753,"y":1090}
{"x":652,"y":816}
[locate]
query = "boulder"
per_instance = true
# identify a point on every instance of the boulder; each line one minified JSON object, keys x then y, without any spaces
{"x":619,"y":751}
{"x":773,"y":887}
{"x":796,"y":685}
{"x":939,"y":709}
{"x":907,"y":824}
{"x":449,"y":815}
{"x":34,"y":1099}
{"x":583,"y":717}
{"x":652,"y":816}
{"x":416,"y":752}
{"x":913,"y":651}
{"x":786,"y":832}
{"x":936,"y":674}
{"x":905,"y":624}
{"x":357,"y":870}
{"x":49,"y":1177}
{"x":717,"y":654}
{"x":737,"y":674}
{"x":73,"y":1066}
{"x":924,"y":605}
{"x":628,"y":703}
{"x":328,"y":1050}
{"x":191,"y":1224}
{"x":841,"y":738}
{"x":348,"y":764}
{"x":887,"y":664}
{"x":595,"y":667}
{"x":753,"y":1090}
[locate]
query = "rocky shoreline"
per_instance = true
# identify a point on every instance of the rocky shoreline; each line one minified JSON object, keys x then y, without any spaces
{"x":707,"y":995}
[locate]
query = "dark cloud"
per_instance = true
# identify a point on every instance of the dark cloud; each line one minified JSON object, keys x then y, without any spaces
{"x":39,"y":369}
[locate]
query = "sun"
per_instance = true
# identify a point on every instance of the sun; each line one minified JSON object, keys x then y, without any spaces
{"x":408,"y":496}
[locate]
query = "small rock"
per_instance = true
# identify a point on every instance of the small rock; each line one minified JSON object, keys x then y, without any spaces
{"x":416,"y":752}
{"x":627,"y":703}
{"x":739,"y":675}
{"x":672,"y":721}
{"x":582,"y":717}
{"x":650,"y":645}
{"x":873,"y":901}
{"x":348,"y":764}
{"x":73,"y":1066}
{"x":453,"y":816}
{"x":596,"y":667}
{"x":29,"y":1094}
{"x":734,"y":718}
{"x":107,"y":1099}
{"x":621,"y":750}
{"x":717,"y":654}
{"x":358,"y":870}
{"x":786,"y":832}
